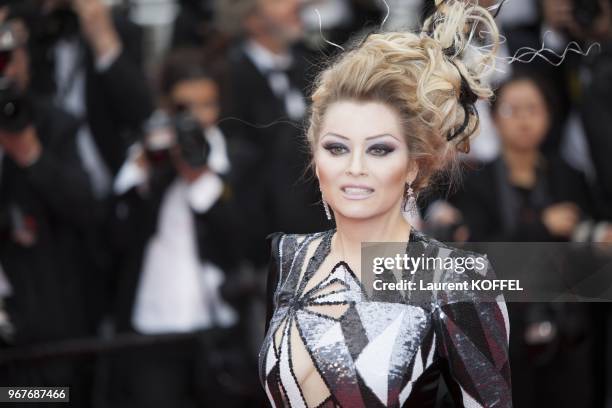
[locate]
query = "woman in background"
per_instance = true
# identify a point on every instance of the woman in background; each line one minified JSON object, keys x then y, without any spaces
{"x":524,"y":196}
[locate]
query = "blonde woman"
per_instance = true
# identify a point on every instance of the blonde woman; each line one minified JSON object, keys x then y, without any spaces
{"x":386,"y":117}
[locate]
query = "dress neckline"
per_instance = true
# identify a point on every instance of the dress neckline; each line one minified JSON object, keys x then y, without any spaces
{"x":325,"y":244}
{"x":322,"y":252}
{"x":413,"y":236}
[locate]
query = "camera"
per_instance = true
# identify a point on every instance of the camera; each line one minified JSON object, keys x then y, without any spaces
{"x":15,"y":109}
{"x":181,"y":131}
{"x":191,"y":140}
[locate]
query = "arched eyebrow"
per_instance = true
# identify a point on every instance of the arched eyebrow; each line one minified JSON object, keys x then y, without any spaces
{"x":367,"y":138}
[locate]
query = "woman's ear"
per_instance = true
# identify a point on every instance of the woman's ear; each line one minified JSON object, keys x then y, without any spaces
{"x":413,"y":171}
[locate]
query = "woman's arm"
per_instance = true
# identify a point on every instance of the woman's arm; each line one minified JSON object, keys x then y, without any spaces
{"x":473,"y":341}
{"x":273,"y":275}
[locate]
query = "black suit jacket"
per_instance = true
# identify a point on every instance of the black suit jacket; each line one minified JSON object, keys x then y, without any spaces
{"x":55,"y":199}
{"x":482,"y":201}
{"x":117,"y":100}
{"x":277,"y":192}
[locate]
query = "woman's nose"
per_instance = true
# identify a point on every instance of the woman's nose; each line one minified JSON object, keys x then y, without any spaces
{"x":357,"y":165}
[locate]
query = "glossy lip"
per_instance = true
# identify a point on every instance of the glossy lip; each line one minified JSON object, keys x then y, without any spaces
{"x":356,"y":196}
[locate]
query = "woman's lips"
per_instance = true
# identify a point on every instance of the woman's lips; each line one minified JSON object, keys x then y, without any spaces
{"x":357,"y":192}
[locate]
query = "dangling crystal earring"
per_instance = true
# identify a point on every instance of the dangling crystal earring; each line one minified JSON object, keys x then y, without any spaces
{"x":327,"y":211}
{"x":326,"y":207}
{"x":410,"y":205}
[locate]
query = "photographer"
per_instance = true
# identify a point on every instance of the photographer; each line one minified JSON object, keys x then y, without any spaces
{"x":88,"y":57}
{"x":177,"y":242}
{"x":45,"y":200}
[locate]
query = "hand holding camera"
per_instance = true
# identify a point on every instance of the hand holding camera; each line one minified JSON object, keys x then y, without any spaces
{"x":180,"y":141}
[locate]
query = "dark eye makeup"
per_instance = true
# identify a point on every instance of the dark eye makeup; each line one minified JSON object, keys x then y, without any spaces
{"x":335,"y":148}
{"x":379,"y":149}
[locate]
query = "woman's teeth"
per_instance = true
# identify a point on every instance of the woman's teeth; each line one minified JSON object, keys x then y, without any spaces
{"x":357,"y":192}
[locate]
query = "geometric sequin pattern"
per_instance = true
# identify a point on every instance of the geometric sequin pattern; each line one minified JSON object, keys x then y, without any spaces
{"x":371,"y":351}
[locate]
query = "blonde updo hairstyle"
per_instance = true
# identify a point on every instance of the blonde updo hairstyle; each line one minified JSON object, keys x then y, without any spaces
{"x":423,"y":77}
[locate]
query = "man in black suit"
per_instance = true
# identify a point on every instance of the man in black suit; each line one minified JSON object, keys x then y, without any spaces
{"x":88,"y":57}
{"x":269,"y":75}
{"x":45,"y":204}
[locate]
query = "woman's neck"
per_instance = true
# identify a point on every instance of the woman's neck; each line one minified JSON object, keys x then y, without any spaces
{"x":521,"y":166}
{"x":520,"y":160}
{"x":350,"y":233}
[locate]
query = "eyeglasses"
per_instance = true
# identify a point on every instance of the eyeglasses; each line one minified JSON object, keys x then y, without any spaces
{"x":508,"y":111}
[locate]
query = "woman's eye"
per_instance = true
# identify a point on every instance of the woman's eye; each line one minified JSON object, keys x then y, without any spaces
{"x":380,"y":150}
{"x":335,"y":148}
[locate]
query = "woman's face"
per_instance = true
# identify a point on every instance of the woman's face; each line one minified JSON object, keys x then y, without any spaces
{"x":361,"y":159}
{"x":522,"y":116}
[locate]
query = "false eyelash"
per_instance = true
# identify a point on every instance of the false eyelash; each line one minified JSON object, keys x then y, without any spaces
{"x":532,"y":53}
{"x":386,"y":149}
{"x":527,"y":55}
{"x":387,"y":15}
{"x":260,"y":125}
{"x":523,"y":55}
{"x":330,"y":147}
{"x":321,"y":31}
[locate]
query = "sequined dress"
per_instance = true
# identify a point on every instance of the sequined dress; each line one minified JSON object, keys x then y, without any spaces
{"x":380,"y":349}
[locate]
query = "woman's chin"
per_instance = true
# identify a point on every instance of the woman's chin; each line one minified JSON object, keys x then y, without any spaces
{"x":358,"y":212}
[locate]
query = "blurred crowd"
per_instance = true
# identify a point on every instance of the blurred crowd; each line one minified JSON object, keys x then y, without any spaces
{"x":138,"y":185}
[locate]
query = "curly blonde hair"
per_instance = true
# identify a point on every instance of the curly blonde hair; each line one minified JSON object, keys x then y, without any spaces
{"x":431,"y":79}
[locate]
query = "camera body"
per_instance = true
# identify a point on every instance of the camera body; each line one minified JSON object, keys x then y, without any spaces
{"x":191,"y":140}
{"x":182,"y":132}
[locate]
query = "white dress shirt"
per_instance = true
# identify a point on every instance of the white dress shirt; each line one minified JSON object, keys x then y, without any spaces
{"x":177,"y":292}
